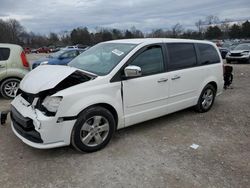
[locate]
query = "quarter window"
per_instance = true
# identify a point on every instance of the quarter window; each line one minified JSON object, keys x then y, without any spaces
{"x":181,"y":55}
{"x":208,"y":54}
{"x":4,"y":54}
{"x":150,"y":61}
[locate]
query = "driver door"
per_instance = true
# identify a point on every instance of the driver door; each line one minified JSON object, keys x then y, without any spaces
{"x":145,"y":97}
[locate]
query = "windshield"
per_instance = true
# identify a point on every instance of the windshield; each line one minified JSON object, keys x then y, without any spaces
{"x":242,"y":47}
{"x":102,"y":58}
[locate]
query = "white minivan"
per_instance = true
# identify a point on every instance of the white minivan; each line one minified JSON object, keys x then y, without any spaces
{"x":113,"y":85}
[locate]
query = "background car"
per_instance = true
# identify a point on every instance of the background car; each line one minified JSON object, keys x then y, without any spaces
{"x":241,"y":53}
{"x":43,"y":50}
{"x":62,"y":57}
{"x":13,"y":67}
{"x":223,"y":52}
{"x":27,"y":50}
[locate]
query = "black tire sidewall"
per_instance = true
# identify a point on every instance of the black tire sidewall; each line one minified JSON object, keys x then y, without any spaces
{"x":85,"y":115}
{"x":3,"y":85}
{"x":199,"y":106}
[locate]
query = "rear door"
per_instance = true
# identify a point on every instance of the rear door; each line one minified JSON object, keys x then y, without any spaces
{"x":4,"y":56}
{"x":185,"y":75}
{"x":146,"y":97}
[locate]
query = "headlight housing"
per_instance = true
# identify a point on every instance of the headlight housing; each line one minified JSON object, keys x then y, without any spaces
{"x":245,"y":53}
{"x":52,"y":103}
{"x":44,"y":63}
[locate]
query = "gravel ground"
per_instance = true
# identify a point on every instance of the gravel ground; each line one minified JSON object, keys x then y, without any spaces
{"x":155,"y":153}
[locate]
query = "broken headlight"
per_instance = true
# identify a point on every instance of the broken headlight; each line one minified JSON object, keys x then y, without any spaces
{"x":52,"y":103}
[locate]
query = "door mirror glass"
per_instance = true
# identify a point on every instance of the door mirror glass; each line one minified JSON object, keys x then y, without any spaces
{"x":132,"y":71}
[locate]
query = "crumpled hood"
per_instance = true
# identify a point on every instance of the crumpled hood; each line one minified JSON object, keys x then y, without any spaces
{"x":45,"y":77}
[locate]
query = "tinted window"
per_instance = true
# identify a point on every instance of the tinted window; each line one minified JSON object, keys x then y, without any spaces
{"x":70,"y":54}
{"x":208,"y":54}
{"x":181,"y":55}
{"x":150,"y":61}
{"x":4,"y":54}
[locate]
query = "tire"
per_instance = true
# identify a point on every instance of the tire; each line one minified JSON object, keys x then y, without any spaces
{"x":9,"y":87}
{"x":206,"y":99}
{"x":93,"y":129}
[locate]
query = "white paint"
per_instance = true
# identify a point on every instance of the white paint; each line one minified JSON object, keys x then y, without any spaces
{"x":45,"y":77}
{"x":144,"y":98}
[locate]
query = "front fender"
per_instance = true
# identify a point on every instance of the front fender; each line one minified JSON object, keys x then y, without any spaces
{"x":72,"y":105}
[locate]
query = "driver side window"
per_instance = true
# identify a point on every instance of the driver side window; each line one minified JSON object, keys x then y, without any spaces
{"x":150,"y":61}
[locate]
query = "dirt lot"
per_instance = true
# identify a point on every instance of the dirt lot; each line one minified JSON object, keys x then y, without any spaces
{"x":156,"y":153}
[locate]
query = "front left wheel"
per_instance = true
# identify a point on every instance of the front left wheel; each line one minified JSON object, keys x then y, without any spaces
{"x":9,"y":88}
{"x":93,"y":129}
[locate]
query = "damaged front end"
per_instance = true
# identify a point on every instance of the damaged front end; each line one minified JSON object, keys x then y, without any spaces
{"x":38,"y":100}
{"x":33,"y":118}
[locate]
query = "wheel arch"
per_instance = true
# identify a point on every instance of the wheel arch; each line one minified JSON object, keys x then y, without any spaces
{"x":11,"y":77}
{"x":106,"y":106}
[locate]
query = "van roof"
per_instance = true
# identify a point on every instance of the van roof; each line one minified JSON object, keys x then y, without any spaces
{"x":7,"y":45}
{"x":153,"y":40}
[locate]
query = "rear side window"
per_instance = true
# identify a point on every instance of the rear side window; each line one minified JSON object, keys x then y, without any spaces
{"x":4,"y":54}
{"x":181,"y":56}
{"x":150,"y":61}
{"x":208,"y":54}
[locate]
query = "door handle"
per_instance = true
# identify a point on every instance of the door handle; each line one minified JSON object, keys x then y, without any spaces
{"x":176,"y":77}
{"x":162,"y":80}
{"x":2,"y":66}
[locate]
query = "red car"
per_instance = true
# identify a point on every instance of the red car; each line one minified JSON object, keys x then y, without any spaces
{"x":43,"y":50}
{"x":27,"y":50}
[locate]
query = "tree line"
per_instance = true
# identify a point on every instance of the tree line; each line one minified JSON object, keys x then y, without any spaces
{"x":11,"y":31}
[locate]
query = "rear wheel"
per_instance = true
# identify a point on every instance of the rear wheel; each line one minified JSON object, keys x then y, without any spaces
{"x":9,"y":88}
{"x":206,"y":99}
{"x":93,"y":129}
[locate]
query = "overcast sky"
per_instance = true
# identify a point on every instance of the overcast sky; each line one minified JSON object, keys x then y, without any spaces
{"x":46,"y":16}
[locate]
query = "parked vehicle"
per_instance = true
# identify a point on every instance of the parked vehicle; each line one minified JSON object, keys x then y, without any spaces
{"x":27,"y":50}
{"x":42,"y":50}
{"x":62,"y":57}
{"x":113,"y":85}
{"x":223,"y":52}
{"x":241,"y":53}
{"x":13,"y":67}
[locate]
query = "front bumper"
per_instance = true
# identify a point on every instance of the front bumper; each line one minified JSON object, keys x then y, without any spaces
{"x":237,"y":58}
{"x":37,"y":130}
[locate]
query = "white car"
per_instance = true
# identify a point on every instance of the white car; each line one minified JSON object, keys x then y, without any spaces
{"x":113,"y":85}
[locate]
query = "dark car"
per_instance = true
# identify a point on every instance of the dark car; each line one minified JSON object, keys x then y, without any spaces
{"x":62,"y":57}
{"x":223,"y":52}
{"x":240,"y":53}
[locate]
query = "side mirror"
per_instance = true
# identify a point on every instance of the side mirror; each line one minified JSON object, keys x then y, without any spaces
{"x":132,"y":71}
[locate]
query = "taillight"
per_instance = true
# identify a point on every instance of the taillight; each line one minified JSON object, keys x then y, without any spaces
{"x":24,"y":59}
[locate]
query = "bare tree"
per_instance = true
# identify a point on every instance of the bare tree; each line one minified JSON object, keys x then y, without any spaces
{"x":211,"y":19}
{"x":177,"y":29}
{"x":199,"y":24}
